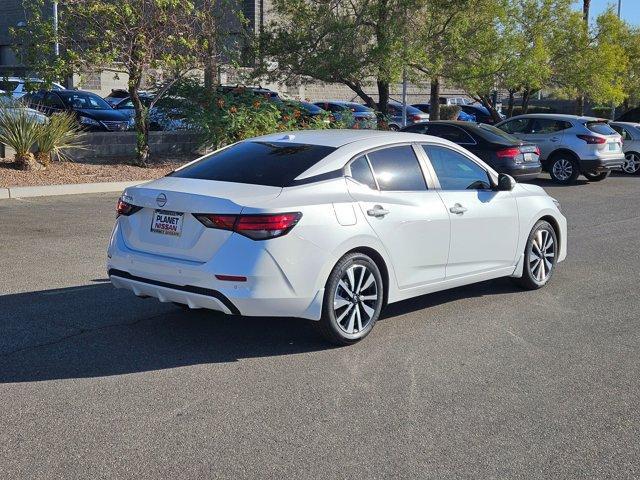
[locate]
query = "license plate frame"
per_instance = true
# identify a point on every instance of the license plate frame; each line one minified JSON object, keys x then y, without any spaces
{"x":613,"y":146}
{"x":167,"y":222}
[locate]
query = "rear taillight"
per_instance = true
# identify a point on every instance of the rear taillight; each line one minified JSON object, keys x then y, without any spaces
{"x":591,"y":140}
{"x":508,"y":153}
{"x":125,"y":208}
{"x":256,"y":227}
{"x":415,"y":118}
{"x":537,"y":150}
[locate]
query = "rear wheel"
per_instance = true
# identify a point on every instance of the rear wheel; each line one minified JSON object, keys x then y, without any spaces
{"x":564,"y":169}
{"x":596,"y":177}
{"x":353,"y":299}
{"x":631,"y":165}
{"x":540,"y":256}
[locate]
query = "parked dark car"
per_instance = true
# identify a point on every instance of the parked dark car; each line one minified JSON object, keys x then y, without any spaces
{"x":632,"y":116}
{"x":255,"y":90}
{"x":363,"y":117}
{"x":503,"y":152}
{"x":93,"y":112}
{"x":166,"y":114}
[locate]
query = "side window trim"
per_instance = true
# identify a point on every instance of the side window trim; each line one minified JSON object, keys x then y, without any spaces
{"x":466,"y":135}
{"x":490,"y":177}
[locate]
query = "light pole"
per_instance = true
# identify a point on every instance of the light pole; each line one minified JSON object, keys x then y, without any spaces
{"x":56,"y":45}
{"x":613,"y":105}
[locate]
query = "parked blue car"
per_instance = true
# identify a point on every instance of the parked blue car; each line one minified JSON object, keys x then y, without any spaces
{"x":363,"y":117}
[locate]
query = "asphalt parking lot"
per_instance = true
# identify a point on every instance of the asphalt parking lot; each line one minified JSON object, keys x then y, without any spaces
{"x":485,"y":381}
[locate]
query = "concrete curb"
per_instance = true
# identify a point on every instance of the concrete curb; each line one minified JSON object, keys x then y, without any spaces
{"x":69,"y":189}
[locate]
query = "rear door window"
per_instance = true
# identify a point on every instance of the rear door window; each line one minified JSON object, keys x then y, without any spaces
{"x":542,"y":126}
{"x":601,"y":128}
{"x":274,"y":164}
{"x":397,"y":169}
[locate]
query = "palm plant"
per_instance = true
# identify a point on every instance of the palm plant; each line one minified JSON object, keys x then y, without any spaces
{"x":57,"y":136}
{"x":20,"y":130}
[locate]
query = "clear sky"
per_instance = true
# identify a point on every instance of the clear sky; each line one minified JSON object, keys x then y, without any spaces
{"x":630,"y":10}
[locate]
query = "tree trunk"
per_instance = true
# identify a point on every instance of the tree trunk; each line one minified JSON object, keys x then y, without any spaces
{"x":210,"y":71}
{"x":511,"y":103}
{"x":43,"y":158}
{"x":580,"y":105}
{"x":487,"y":103}
{"x":141,"y":117}
{"x":27,"y":161}
{"x":526,"y":97}
{"x":383,"y":98}
{"x":586,"y":5}
{"x":434,"y":99}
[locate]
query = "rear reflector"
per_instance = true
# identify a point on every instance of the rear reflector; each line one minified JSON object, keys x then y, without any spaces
{"x":256,"y":227}
{"x":591,"y":140}
{"x":231,"y":278}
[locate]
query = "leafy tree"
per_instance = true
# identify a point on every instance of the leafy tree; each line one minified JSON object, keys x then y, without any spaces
{"x":589,"y":62}
{"x":353,"y":43}
{"x":124,"y":36}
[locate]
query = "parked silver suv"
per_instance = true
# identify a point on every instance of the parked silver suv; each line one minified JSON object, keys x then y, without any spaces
{"x":570,"y":145}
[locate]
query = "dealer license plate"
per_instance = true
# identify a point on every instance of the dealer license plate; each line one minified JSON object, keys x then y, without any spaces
{"x":167,"y":222}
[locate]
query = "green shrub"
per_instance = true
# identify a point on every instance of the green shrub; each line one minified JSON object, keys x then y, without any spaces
{"x":60,"y":134}
{"x":449,"y":112}
{"x":19,"y":129}
{"x":224,"y":118}
{"x":602,"y":112}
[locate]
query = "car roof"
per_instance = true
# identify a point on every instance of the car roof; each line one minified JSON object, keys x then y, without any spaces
{"x":557,"y":116}
{"x":627,"y":124}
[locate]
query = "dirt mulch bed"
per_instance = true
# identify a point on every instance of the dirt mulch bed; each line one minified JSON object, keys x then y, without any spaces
{"x":60,"y":173}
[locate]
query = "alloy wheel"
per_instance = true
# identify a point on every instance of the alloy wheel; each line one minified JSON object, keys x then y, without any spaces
{"x":631,"y":163}
{"x":542,"y":255}
{"x":562,"y":169}
{"x":355,"y":299}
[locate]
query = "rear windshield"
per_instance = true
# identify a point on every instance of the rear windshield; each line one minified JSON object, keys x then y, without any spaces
{"x":274,"y":164}
{"x":494,"y":134}
{"x":600,"y":127}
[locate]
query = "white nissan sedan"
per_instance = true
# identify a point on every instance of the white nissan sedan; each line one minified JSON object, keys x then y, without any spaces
{"x":331,"y":226}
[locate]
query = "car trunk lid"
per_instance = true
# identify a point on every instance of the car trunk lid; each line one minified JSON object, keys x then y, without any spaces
{"x":166,"y":226}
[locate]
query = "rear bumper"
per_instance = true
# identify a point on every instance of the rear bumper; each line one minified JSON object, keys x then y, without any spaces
{"x":522,"y":172}
{"x":267,"y":292}
{"x":601,"y":164}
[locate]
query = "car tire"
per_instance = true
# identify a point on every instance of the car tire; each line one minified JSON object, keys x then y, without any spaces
{"x":353,"y":299}
{"x":564,"y":169}
{"x":394,"y":128}
{"x":540,"y":256}
{"x":597,"y":177}
{"x":631,"y":164}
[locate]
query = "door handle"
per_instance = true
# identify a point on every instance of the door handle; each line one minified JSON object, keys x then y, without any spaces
{"x":554,"y":139}
{"x":377,"y":211}
{"x":457,"y":209}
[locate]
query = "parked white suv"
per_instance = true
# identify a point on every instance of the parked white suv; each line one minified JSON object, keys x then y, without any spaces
{"x":18,"y":86}
{"x":570,"y":145}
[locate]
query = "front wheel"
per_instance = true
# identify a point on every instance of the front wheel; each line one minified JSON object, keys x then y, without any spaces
{"x":353,"y":299}
{"x":564,"y":170}
{"x":540,"y":256}
{"x":631,"y":165}
{"x":596,"y":177}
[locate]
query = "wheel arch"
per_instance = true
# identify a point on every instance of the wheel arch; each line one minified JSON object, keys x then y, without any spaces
{"x":562,"y":151}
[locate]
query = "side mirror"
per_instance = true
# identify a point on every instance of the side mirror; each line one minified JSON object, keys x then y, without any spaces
{"x":506,"y":183}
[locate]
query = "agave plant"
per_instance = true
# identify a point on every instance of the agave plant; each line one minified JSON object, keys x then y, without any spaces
{"x":57,"y":136}
{"x":20,"y":130}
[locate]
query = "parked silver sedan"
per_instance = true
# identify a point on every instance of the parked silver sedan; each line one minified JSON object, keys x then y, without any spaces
{"x":630,"y":133}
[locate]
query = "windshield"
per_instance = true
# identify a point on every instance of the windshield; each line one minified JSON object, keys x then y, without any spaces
{"x":356,"y":107}
{"x":83,"y":100}
{"x":274,"y":164}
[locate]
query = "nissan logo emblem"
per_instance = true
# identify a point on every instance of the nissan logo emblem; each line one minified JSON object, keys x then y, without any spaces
{"x":161,"y":200}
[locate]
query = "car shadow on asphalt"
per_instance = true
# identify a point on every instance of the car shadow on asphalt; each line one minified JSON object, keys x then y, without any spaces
{"x":96,"y":330}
